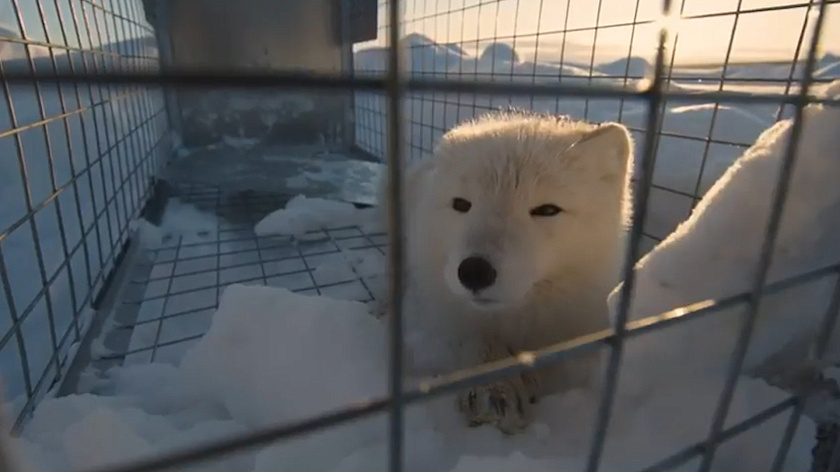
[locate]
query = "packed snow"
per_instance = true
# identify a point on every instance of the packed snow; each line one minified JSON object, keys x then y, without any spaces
{"x":180,"y":219}
{"x":715,"y":252}
{"x":273,"y":356}
{"x":303,"y":215}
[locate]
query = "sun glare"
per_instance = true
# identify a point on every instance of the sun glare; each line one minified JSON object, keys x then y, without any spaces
{"x":670,"y":23}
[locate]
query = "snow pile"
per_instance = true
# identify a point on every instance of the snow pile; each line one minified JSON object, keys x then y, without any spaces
{"x":183,"y":218}
{"x":714,"y":254}
{"x":263,"y":359}
{"x":143,"y":410}
{"x":302,"y":215}
{"x":499,"y":51}
{"x":273,"y":356}
{"x":180,"y":219}
{"x":281,"y":383}
{"x":679,"y":160}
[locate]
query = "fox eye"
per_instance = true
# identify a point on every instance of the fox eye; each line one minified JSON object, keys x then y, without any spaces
{"x":460,"y":205}
{"x":546,"y":210}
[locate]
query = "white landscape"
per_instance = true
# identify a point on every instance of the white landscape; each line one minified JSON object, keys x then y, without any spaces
{"x":272,"y":356}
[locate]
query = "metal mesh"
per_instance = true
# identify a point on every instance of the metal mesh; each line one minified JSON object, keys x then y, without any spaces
{"x":184,"y":279}
{"x":173,"y":293}
{"x":75,"y":170}
{"x":573,"y":37}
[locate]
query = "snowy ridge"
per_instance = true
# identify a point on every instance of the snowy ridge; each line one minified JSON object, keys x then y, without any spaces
{"x":424,"y":55}
{"x":714,"y":255}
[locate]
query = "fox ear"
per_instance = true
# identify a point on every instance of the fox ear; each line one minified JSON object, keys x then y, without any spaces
{"x":609,"y":143}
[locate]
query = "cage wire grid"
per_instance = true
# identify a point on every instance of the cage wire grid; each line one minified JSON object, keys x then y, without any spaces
{"x":431,"y":113}
{"x":90,"y":148}
{"x":185,"y":275}
{"x":236,"y":255}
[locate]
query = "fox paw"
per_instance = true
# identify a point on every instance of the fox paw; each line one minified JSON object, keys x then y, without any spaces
{"x":503,"y":404}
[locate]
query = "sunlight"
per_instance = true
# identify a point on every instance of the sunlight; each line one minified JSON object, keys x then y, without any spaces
{"x":670,"y":23}
{"x":551,"y":30}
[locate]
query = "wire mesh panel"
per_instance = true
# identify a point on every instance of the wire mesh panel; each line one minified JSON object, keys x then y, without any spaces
{"x":716,"y":46}
{"x":172,"y":295}
{"x":593,"y":60}
{"x":75,"y":170}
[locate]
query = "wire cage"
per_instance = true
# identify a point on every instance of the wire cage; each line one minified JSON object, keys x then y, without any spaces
{"x":102,"y":97}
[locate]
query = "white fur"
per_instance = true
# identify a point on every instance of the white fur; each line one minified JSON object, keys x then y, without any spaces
{"x":554,"y":273}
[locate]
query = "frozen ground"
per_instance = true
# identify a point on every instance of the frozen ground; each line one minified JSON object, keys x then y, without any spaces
{"x":272,"y":355}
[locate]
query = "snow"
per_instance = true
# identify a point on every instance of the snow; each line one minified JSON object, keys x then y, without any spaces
{"x":273,"y":356}
{"x":180,"y":219}
{"x":185,"y":220}
{"x":243,"y":143}
{"x":146,"y":412}
{"x":281,"y":386}
{"x":714,"y":254}
{"x":302,"y":215}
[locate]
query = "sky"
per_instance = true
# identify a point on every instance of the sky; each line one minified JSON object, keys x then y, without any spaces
{"x":55,"y":12}
{"x":539,"y":28}
{"x":758,"y":35}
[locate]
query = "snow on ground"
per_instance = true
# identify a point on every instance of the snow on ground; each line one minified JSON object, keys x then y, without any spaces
{"x":182,"y":225}
{"x":302,"y":215}
{"x":180,"y":219}
{"x":273,"y":356}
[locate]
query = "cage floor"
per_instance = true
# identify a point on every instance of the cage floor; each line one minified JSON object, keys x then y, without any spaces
{"x":169,"y":296}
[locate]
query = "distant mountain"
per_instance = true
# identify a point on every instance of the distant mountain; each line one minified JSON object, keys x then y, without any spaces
{"x":129,"y":46}
{"x":422,"y":53}
{"x":635,"y":67}
{"x":455,"y":48}
{"x":15,"y":59}
{"x":499,"y":52}
{"x":8,"y":50}
{"x":828,"y":67}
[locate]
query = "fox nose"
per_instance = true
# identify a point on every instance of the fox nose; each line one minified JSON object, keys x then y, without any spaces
{"x":475,"y":273}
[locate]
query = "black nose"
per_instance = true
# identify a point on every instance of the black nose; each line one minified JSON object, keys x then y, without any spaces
{"x":475,"y":273}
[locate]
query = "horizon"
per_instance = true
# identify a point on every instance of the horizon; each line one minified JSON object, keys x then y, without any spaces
{"x":472,"y":24}
{"x":522,"y":23}
{"x":583,"y":54}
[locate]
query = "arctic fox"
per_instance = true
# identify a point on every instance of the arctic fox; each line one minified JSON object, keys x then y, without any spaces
{"x":514,"y":238}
